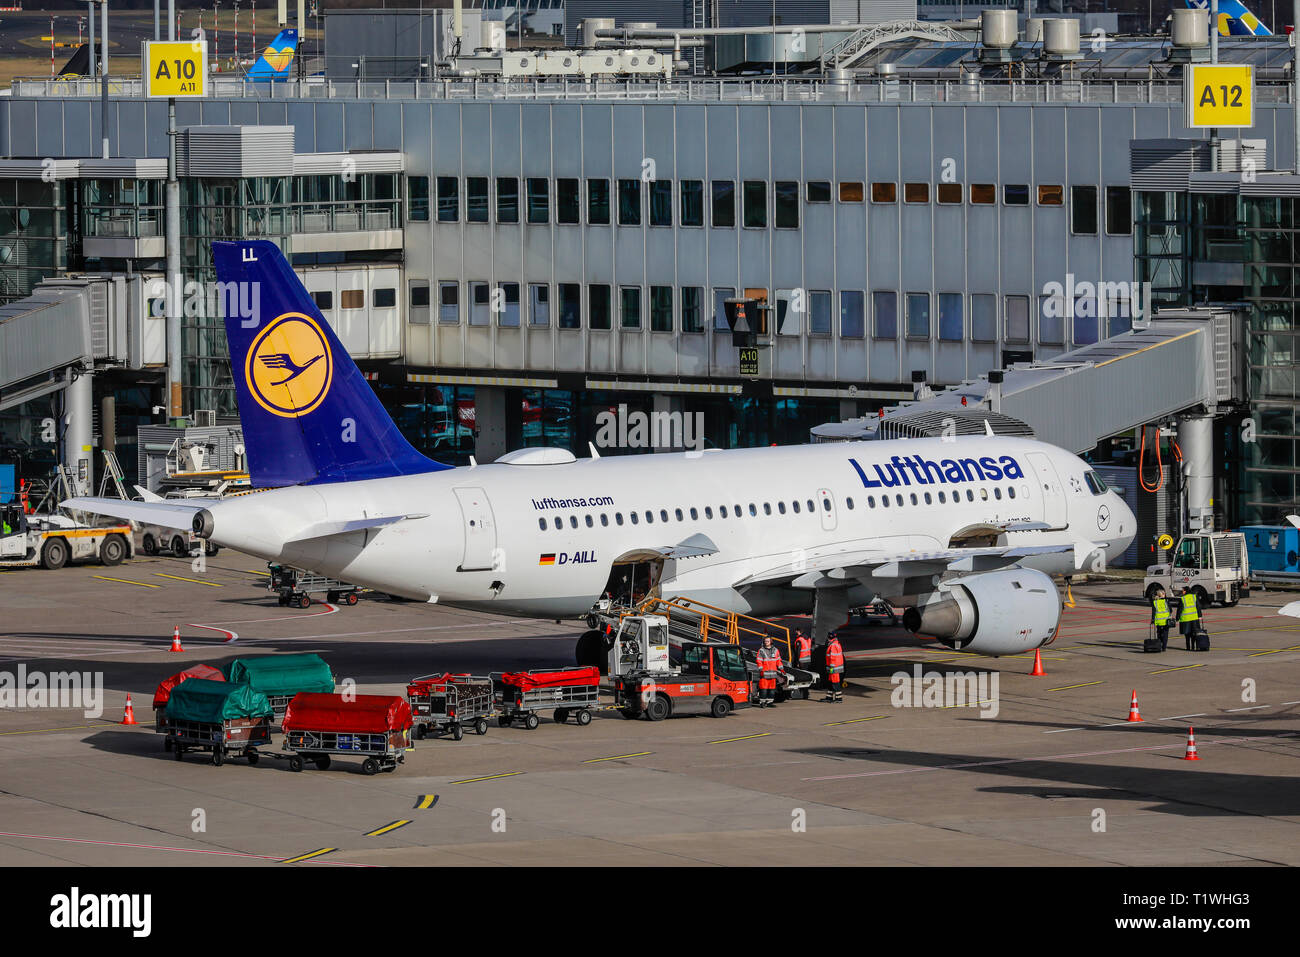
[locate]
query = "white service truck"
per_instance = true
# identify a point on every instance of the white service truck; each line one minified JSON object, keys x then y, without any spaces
{"x":52,"y":541}
{"x":1213,"y":564}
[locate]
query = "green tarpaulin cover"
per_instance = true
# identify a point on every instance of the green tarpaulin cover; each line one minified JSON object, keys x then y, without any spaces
{"x":212,"y":702}
{"x":282,"y":674}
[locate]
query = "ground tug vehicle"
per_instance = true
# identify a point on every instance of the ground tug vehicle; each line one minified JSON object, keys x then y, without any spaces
{"x":1214,"y":565}
{"x":53,"y":540}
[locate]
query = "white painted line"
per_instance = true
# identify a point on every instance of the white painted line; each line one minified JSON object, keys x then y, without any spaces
{"x":1285,"y":703}
{"x":1199,"y":714}
{"x":1089,"y":727}
{"x":1255,"y":708}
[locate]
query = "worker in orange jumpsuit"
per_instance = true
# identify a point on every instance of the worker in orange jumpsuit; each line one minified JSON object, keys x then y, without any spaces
{"x":834,"y":669}
{"x":803,"y":650}
{"x":769,"y":660}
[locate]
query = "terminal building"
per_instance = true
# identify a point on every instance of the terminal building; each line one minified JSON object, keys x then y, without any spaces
{"x":509,"y":249}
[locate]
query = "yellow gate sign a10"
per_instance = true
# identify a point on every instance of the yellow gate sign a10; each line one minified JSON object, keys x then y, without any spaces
{"x":175,"y":69}
{"x":1219,"y":95}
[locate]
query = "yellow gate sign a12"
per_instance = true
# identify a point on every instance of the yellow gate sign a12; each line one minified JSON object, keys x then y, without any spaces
{"x":1219,"y":95}
{"x":175,"y":69}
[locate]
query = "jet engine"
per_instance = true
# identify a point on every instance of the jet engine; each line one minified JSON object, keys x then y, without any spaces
{"x":994,"y":613}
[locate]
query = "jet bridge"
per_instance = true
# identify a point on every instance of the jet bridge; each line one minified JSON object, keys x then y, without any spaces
{"x":1184,"y":362}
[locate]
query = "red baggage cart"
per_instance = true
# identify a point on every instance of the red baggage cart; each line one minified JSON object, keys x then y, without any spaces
{"x":521,"y":694}
{"x":374,"y":727}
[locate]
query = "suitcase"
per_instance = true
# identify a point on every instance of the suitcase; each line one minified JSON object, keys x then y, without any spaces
{"x":1201,"y":641}
{"x":1151,"y":644}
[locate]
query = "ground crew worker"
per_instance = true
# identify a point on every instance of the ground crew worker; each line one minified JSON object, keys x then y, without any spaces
{"x":1189,"y":616}
{"x":802,"y":649}
{"x":834,"y":669}
{"x":1161,"y":616}
{"x":769,"y":660}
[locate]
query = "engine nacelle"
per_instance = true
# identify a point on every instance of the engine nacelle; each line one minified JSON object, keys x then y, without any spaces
{"x":992,"y":613}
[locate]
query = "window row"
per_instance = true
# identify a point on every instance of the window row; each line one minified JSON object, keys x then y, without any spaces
{"x":796,"y":507}
{"x":954,"y":316}
{"x":381,"y":298}
{"x":632,"y":202}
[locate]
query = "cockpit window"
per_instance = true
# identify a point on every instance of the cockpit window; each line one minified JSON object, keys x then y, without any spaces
{"x":1095,"y":482}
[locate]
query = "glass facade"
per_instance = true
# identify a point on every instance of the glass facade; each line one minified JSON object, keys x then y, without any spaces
{"x":34,"y":232}
{"x":1216,"y":248}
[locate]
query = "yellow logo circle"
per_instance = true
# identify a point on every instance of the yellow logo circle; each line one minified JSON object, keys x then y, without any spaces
{"x":289,"y":367}
{"x":1165,"y":542}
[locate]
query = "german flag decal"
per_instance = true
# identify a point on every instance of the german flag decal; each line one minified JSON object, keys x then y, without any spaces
{"x":547,"y":559}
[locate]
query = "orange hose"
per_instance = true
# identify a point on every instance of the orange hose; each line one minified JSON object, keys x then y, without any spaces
{"x":1142,"y":457}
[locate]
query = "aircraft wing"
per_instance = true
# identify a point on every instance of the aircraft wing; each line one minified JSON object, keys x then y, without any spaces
{"x":177,"y":514}
{"x":866,"y":565}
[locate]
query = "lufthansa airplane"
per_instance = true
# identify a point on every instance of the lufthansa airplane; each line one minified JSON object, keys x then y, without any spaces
{"x":964,"y":532}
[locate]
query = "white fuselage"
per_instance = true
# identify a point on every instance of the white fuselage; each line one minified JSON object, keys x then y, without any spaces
{"x":484,"y":532}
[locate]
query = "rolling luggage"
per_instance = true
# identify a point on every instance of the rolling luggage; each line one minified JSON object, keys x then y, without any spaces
{"x":1151,"y":644}
{"x":1201,"y":641}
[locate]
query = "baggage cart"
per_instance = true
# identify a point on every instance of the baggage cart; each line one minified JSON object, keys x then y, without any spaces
{"x":221,"y":717}
{"x":295,"y":586}
{"x":520,"y":695}
{"x":376,"y":728}
{"x":163,"y":695}
{"x":280,"y":677}
{"x":450,"y":703}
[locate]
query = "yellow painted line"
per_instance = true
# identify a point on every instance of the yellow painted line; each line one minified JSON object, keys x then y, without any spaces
{"x":1165,"y":671}
{"x":1260,"y":654}
{"x":1084,"y":685}
{"x":262,"y":574}
{"x":426,"y":801}
{"x":308,"y":857}
{"x":743,"y":737}
{"x":125,"y":581}
{"x":619,"y":757}
{"x":874,"y":717}
{"x":195,"y":580}
{"x":386,"y":828}
{"x":488,"y":777}
{"x":1154,"y":345}
{"x":74,"y":727}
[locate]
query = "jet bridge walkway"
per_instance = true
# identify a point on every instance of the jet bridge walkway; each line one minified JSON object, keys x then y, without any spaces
{"x":1182,"y":362}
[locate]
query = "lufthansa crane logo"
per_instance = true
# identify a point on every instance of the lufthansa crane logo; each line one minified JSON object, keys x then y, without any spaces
{"x":1103,"y":518}
{"x":289,"y":367}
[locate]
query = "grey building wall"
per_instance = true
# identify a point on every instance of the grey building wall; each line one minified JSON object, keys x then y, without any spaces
{"x":731,"y":13}
{"x":392,"y":43}
{"x":930,"y":248}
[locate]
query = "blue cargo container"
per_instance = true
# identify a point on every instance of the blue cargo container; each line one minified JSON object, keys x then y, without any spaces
{"x":1272,"y":548}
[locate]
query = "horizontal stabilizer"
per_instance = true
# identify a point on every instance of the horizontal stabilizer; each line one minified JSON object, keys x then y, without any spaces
{"x":168,"y":514}
{"x":328,"y":529}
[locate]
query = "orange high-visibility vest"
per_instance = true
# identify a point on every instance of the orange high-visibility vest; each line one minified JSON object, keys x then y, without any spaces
{"x":804,"y":644}
{"x":833,"y":659}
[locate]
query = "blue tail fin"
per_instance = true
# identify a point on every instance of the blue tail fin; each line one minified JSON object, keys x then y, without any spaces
{"x":1235,"y":20}
{"x":276,"y":59}
{"x":308,"y":413}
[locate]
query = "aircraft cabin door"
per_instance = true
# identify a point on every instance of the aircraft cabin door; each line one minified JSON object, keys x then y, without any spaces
{"x":1051,"y":490}
{"x":826,"y":506}
{"x":480,"y":530}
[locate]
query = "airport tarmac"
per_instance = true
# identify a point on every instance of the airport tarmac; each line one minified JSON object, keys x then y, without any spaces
{"x":1058,"y":777}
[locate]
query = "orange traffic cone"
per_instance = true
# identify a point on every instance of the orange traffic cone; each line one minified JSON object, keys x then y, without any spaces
{"x":1133,"y":713}
{"x":1191,"y":754}
{"x":1037,"y":671}
{"x":176,"y":639}
{"x":128,"y":713}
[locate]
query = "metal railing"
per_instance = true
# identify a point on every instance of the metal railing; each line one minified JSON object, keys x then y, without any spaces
{"x":970,"y":89}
